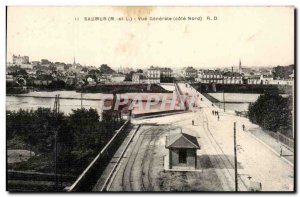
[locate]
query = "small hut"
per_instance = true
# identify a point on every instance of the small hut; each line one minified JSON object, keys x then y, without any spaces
{"x":182,"y":151}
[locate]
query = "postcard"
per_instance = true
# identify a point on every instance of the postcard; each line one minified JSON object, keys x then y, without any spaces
{"x":150,"y":99}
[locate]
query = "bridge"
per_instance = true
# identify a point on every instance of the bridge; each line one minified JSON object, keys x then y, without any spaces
{"x":133,"y":159}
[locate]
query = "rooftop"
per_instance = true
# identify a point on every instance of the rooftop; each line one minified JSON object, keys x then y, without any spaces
{"x":182,"y":140}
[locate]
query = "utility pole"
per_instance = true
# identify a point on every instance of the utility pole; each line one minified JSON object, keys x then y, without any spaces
{"x":224,"y":100}
{"x":56,"y":111}
{"x":235,"y":159}
{"x":81,"y":98}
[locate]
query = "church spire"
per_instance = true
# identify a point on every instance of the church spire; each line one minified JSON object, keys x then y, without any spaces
{"x":240,"y":67}
{"x":74,"y":63}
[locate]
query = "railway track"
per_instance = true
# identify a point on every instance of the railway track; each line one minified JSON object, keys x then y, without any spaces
{"x":139,"y":149}
{"x":128,"y":168}
{"x":222,"y":161}
{"x":148,"y":162}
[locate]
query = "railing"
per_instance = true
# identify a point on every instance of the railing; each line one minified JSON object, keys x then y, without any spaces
{"x":286,"y":140}
{"x":91,"y":174}
{"x":180,"y":95}
{"x":158,"y":113}
{"x":105,"y":186}
{"x":283,"y":139}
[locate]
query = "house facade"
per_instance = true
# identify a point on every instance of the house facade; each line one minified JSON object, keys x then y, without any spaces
{"x":190,"y":72}
{"x":138,"y":78}
{"x":153,"y":75}
{"x":210,"y":76}
{"x":182,"y":151}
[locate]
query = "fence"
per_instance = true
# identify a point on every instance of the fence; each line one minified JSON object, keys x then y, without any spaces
{"x":91,"y":174}
{"x":180,"y":94}
{"x":20,"y":181}
{"x":283,"y":139}
{"x":286,"y":140}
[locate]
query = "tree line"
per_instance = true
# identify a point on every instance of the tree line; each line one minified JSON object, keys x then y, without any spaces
{"x":80,"y":137}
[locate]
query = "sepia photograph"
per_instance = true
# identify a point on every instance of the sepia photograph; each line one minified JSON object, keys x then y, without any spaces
{"x":150,"y":99}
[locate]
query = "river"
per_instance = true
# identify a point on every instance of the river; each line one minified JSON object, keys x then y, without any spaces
{"x":236,"y":101}
{"x":70,"y":100}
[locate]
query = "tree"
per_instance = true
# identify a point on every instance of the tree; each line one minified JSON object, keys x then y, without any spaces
{"x":80,"y":136}
{"x":128,"y":77}
{"x":283,"y":72}
{"x":272,"y":112}
{"x":139,"y":71}
{"x":105,"y":69}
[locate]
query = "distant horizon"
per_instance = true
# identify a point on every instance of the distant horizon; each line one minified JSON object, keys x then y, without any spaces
{"x":133,"y":67}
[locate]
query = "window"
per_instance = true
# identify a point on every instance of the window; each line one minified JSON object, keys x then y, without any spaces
{"x":182,"y":155}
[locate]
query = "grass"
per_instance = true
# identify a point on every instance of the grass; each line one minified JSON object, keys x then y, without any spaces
{"x":207,"y":180}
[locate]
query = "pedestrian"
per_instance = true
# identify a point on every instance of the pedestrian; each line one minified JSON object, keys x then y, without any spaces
{"x":193,"y":122}
{"x":243,"y":127}
{"x":218,"y":117}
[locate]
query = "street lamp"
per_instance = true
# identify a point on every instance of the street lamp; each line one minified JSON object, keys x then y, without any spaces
{"x":235,"y":158}
{"x":224,"y":100}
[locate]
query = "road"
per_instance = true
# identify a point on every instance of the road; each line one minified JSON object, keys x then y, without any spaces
{"x":256,"y":159}
{"x":142,"y":167}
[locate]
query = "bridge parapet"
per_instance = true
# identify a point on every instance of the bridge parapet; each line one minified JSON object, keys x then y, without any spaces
{"x":89,"y":176}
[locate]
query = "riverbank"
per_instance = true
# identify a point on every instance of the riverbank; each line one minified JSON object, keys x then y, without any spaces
{"x":242,"y":88}
{"x":100,"y":88}
{"x":124,"y":88}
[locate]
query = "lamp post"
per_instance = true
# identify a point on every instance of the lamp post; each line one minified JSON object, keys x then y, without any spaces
{"x":224,"y":100}
{"x":235,"y":159}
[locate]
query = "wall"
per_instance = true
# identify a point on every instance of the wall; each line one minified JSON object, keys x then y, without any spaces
{"x":190,"y":160}
{"x":91,"y":174}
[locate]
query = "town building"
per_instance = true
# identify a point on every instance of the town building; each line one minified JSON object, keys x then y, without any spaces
{"x":209,"y":76}
{"x":60,"y":67}
{"x":153,"y":75}
{"x":232,"y":78}
{"x":19,"y":60}
{"x":26,"y":66}
{"x":182,"y":151}
{"x":35,"y":63}
{"x":266,"y":79}
{"x":91,"y":81}
{"x":139,"y":78}
{"x":253,"y":79}
{"x":117,"y":78}
{"x":9,"y":78}
{"x":166,"y":72}
{"x":190,"y":72}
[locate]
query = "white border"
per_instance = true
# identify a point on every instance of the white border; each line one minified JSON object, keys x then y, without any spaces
{"x":3,"y":4}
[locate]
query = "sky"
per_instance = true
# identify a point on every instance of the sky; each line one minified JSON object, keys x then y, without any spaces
{"x":259,"y":36}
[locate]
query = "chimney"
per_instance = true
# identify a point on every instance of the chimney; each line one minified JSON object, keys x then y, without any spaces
{"x":232,"y":69}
